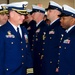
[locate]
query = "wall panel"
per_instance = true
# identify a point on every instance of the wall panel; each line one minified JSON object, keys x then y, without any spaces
{"x":61,"y":2}
{"x":30,"y":2}
{"x":43,"y":2}
{"x":3,"y":1}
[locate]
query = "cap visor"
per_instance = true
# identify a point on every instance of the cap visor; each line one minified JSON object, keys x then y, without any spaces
{"x":46,"y":9}
{"x":63,"y":14}
{"x":22,"y":13}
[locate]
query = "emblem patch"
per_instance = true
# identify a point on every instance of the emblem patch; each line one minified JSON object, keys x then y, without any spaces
{"x":51,"y":32}
{"x":67,"y":41}
{"x":9,"y":35}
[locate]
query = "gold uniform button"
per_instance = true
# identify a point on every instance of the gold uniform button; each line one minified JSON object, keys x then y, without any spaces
{"x":22,"y":56}
{"x":62,"y":35}
{"x":22,"y":63}
{"x":36,"y":39}
{"x":43,"y":49}
{"x":31,"y":49}
{"x":50,"y":62}
{"x":21,"y":42}
{"x":43,"y":42}
{"x":64,"y":47}
{"x":42,"y":56}
{"x":50,"y":37}
{"x":59,"y":46}
{"x":12,"y":42}
{"x":39,"y":53}
{"x":44,"y":33}
{"x":61,"y":39}
{"x":58,"y":60}
{"x":7,"y":69}
{"x":58,"y":53}
{"x":22,"y":49}
{"x":26,"y":46}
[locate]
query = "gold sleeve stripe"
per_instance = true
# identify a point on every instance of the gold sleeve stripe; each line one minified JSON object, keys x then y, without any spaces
{"x":29,"y":70}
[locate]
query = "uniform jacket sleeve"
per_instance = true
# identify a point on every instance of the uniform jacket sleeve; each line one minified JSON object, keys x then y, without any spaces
{"x":2,"y":53}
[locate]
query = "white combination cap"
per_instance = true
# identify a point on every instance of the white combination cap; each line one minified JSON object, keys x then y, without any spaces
{"x":19,"y":7}
{"x":67,"y":11}
{"x":36,"y":8}
{"x":53,"y":5}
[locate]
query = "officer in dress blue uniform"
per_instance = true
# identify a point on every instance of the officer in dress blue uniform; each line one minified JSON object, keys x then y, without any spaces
{"x":51,"y":40}
{"x":67,"y":46}
{"x":38,"y":14}
{"x":15,"y":56}
{"x":3,"y":14}
{"x":30,"y":26}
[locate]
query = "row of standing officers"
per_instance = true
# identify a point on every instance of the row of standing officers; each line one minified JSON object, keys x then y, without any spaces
{"x":52,"y":46}
{"x":50,"y":43}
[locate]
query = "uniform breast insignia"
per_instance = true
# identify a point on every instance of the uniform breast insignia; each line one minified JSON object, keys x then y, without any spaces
{"x":38,"y":30}
{"x":52,"y":32}
{"x":67,"y":41}
{"x":26,"y":38}
{"x":61,"y":37}
{"x":44,"y":35}
{"x":29,"y":28}
{"x":9,"y":35}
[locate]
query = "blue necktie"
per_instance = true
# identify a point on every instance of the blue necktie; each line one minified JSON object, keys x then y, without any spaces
{"x":18,"y":32}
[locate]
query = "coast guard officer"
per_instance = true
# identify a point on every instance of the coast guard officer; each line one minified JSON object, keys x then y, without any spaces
{"x":3,"y":14}
{"x":67,"y":47}
{"x":15,"y":57}
{"x":38,"y":14}
{"x":51,"y":40}
{"x":30,"y":26}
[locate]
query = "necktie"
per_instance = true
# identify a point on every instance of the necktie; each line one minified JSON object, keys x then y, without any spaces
{"x":18,"y":32}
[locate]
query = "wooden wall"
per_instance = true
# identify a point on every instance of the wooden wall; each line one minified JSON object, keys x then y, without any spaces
{"x":43,"y":2}
{"x":3,"y":1}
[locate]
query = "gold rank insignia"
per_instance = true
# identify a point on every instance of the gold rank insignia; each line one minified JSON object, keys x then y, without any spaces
{"x":29,"y":70}
{"x":25,"y":6}
{"x":41,"y":56}
{"x":9,"y":32}
{"x":44,"y":35}
{"x":26,"y":38}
